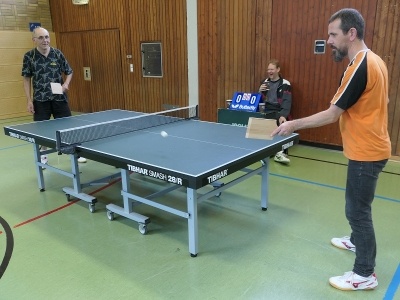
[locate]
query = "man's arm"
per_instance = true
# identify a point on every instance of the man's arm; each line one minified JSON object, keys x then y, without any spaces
{"x":286,"y":105}
{"x":27,"y":89}
{"x":66,"y":82}
{"x":322,"y":118}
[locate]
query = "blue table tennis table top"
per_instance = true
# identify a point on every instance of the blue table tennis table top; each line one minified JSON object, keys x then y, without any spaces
{"x":194,"y":152}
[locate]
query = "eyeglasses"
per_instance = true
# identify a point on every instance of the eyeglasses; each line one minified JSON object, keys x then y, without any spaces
{"x":41,"y":38}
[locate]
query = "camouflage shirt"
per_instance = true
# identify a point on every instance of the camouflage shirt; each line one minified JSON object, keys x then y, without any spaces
{"x":44,"y":70}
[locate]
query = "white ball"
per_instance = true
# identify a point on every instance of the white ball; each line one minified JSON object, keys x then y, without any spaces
{"x":164,"y":134}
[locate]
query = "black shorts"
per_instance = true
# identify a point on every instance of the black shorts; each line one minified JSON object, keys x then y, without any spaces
{"x":44,"y":110}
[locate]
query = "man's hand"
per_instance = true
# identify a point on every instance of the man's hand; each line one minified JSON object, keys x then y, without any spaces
{"x":285,"y":129}
{"x":30,"y":107}
{"x":263,"y":87}
{"x":65,"y":87}
{"x":281,"y":120}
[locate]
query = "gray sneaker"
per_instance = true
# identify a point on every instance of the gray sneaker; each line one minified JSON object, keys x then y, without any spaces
{"x":281,"y":158}
{"x":81,"y":160}
{"x":44,"y":160}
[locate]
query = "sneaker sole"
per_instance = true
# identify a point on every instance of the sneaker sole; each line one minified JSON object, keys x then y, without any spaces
{"x":282,"y":162}
{"x":343,"y":289}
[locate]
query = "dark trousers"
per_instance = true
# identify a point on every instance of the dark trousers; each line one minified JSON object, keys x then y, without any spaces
{"x":362,"y":178}
{"x":45,"y":109}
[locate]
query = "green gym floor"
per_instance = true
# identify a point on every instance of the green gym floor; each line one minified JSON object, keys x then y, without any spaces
{"x":62,"y":251}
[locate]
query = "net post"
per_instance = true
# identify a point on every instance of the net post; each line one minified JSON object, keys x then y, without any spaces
{"x":58,"y":142}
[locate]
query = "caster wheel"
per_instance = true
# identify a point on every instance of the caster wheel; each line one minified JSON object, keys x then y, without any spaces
{"x":68,"y":197}
{"x":110,"y":215}
{"x":142,"y":228}
{"x":92,"y":207}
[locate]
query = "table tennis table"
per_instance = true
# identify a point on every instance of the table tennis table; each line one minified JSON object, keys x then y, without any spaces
{"x":195,"y":154}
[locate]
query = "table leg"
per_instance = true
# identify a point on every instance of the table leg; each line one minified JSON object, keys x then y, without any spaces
{"x":39,"y":170}
{"x":264,"y":184}
{"x":75,"y":171}
{"x":126,"y":187}
{"x":192,"y":221}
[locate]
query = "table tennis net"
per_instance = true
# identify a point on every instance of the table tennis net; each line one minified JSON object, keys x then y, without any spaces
{"x":68,"y":139}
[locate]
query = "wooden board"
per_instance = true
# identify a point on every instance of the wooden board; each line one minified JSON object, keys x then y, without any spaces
{"x":258,"y":128}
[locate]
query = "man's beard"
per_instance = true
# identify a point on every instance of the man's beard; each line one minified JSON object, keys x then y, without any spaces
{"x":338,"y":55}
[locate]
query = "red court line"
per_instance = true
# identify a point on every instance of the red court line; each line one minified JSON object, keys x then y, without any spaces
{"x":64,"y":206}
{"x":45,"y":214}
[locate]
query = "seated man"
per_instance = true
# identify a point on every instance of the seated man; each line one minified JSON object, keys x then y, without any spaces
{"x":277,"y":96}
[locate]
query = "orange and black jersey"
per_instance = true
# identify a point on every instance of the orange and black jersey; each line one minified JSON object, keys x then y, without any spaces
{"x":363,"y":95}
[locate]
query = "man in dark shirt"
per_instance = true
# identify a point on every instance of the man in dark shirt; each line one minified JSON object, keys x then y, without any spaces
{"x":42,"y":67}
{"x":277,"y":96}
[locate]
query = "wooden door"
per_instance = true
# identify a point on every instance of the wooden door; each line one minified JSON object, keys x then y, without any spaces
{"x":98,"y":50}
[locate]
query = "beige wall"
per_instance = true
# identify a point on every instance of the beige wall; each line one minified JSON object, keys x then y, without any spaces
{"x":15,"y":15}
{"x":15,"y":40}
{"x":13,"y":45}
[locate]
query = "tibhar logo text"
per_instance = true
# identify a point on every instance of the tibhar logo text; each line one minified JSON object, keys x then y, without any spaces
{"x":217,"y":176}
{"x":138,"y":170}
{"x":154,"y":174}
{"x":285,"y":146}
{"x":239,"y":125}
{"x":22,"y":137}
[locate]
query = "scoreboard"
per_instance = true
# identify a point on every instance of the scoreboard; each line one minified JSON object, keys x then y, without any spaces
{"x":245,"y":101}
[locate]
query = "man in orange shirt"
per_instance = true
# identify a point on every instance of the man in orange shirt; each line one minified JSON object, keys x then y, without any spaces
{"x":361,"y":103}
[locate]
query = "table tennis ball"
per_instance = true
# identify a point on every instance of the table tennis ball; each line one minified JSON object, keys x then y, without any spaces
{"x":164,"y":134}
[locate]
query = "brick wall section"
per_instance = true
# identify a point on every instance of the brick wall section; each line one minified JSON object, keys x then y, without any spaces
{"x":15,"y":40}
{"x":15,"y":15}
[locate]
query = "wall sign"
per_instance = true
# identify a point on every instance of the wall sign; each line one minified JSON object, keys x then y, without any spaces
{"x":80,"y":2}
{"x":151,"y":60}
{"x":33,"y":25}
